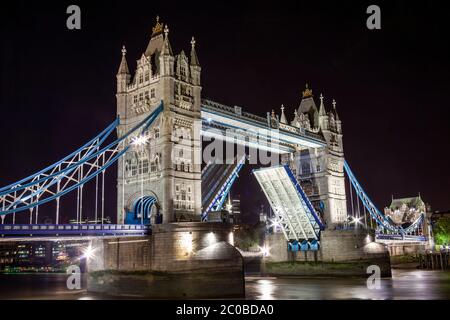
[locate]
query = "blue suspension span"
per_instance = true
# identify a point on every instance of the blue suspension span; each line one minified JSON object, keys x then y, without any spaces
{"x":91,"y":145}
{"x":39,"y":183}
{"x":382,"y":220}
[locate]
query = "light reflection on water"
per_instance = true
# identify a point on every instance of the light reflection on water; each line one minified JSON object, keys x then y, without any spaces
{"x":405,"y":284}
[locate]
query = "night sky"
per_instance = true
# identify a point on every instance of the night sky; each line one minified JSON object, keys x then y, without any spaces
{"x":58,"y":86}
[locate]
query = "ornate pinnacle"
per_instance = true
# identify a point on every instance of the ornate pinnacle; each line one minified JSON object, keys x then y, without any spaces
{"x":124,"y":51}
{"x":166,"y":30}
{"x":158,"y":28}
{"x":334,"y":104}
{"x":193,"y":43}
{"x":308,"y":92}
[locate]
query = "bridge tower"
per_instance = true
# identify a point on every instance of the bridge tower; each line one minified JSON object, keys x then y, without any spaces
{"x":321,"y":171}
{"x":166,"y":165}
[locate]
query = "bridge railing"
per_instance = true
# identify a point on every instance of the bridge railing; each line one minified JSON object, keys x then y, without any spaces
{"x":73,"y":230}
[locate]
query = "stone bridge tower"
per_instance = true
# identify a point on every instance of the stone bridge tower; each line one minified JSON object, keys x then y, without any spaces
{"x":168,"y":166}
{"x":321,"y":171}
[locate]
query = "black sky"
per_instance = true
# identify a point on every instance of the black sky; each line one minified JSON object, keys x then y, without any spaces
{"x":58,"y":86}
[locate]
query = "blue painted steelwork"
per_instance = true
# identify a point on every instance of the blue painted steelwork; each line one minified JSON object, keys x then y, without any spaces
{"x":92,"y":145}
{"x":72,"y":230}
{"x":382,"y":221}
{"x":304,"y":246}
{"x":401,"y":237}
{"x":311,"y":213}
{"x":295,"y":246}
{"x":222,"y":193}
{"x":39,"y":186}
{"x":142,"y":205}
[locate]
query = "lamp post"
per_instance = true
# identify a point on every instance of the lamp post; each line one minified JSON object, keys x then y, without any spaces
{"x":139,"y":142}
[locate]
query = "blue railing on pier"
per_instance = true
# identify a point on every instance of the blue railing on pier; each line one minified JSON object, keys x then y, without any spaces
{"x":73,"y":230}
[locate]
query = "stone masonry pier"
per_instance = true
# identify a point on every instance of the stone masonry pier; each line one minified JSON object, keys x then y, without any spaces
{"x":178,"y":260}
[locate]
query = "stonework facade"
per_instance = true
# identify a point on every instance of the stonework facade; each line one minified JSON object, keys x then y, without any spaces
{"x":167,"y":166}
{"x":321,"y":171}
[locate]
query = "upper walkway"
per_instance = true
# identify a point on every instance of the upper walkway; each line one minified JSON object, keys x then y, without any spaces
{"x":254,"y":131}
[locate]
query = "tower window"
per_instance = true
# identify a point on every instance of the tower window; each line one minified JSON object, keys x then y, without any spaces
{"x":147,"y":76}
{"x":153,"y":166}
{"x":133,"y":169}
{"x":147,"y":97}
{"x":143,"y":164}
{"x":152,"y":93}
{"x":183,"y":71}
{"x":141,"y":96}
{"x":135,"y":99}
{"x":156,"y":133}
{"x":306,"y":168}
{"x":141,"y":79}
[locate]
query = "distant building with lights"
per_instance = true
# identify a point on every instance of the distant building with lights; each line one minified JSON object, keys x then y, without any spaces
{"x":405,"y":210}
{"x":38,"y":256}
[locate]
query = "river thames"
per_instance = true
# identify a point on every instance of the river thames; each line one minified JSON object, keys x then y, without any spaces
{"x":406,"y":284}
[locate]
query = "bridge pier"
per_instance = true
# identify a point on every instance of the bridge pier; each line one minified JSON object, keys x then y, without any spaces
{"x":178,"y":260}
{"x":341,"y":253}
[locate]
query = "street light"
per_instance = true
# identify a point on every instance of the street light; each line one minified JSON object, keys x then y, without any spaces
{"x":140,"y":141}
{"x":88,"y":252}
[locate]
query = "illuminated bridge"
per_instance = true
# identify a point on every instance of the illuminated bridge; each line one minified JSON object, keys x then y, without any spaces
{"x":294,"y":213}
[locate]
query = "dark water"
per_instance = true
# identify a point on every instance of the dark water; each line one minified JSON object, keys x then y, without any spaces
{"x":405,"y":284}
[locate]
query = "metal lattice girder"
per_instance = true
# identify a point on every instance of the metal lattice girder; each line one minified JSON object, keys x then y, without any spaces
{"x":222,"y":177}
{"x":292,"y":208}
{"x":381,"y":220}
{"x":72,"y":172}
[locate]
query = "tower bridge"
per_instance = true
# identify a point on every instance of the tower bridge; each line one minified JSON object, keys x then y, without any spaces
{"x":161,"y":187}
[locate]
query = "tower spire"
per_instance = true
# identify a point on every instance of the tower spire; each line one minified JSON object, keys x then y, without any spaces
{"x":166,"y":49}
{"x":123,"y":68}
{"x":334,"y":110}
{"x":194,"y":58}
{"x":322,"y":111}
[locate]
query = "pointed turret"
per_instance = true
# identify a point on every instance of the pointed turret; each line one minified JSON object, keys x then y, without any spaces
{"x":322,"y":111}
{"x":335,"y":111}
{"x":194,"y":58}
{"x":166,"y":48}
{"x":323,"y":115}
{"x":123,"y":80}
{"x":195,"y":64}
{"x":283,"y":116}
{"x":123,"y":68}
